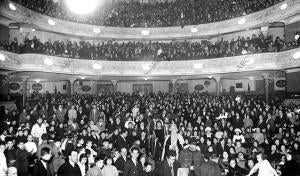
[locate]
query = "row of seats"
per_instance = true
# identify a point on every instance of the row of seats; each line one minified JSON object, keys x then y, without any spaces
{"x":150,"y":50}
{"x":137,"y":14}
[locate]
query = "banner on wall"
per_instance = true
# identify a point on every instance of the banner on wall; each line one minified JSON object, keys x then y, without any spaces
{"x":279,"y":83}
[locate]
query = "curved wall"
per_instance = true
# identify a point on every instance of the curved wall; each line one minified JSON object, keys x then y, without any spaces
{"x":261,"y":18}
{"x":256,"y":62}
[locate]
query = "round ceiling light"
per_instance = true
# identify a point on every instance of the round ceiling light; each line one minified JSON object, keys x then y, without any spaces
{"x":97,"y":66}
{"x":198,"y":66}
{"x":145,"y":32}
{"x":51,"y":22}
{"x":96,"y":30}
{"x":2,"y":57}
{"x":242,"y":21}
{"x":48,"y":62}
{"x":283,"y":6}
{"x":82,"y":7}
{"x":12,"y":7}
{"x":296,"y":55}
{"x":193,"y":30}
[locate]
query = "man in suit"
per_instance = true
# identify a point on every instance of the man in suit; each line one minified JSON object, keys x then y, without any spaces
{"x":133,"y":167}
{"x":169,"y":166}
{"x":22,"y":158}
{"x":97,"y":169}
{"x":120,"y":162}
{"x":60,"y":114}
{"x":121,"y":141}
{"x":42,"y":167}
{"x":211,"y":168}
{"x":70,"y":167}
{"x":94,"y":114}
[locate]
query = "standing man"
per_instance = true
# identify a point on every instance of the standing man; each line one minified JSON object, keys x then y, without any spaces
{"x":60,"y":114}
{"x":121,"y":141}
{"x":22,"y":158}
{"x":132,"y":166}
{"x":70,"y":167}
{"x":72,"y":114}
{"x":120,"y":163}
{"x":38,"y":130}
{"x":94,"y":114}
{"x":169,"y":166}
{"x":191,"y":157}
{"x":42,"y":167}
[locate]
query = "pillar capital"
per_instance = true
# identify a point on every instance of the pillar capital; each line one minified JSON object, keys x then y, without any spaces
{"x":72,"y":80}
{"x":217,"y":78}
{"x":25,"y":78}
{"x":115,"y":85}
{"x":266,"y":75}
{"x":114,"y":82}
{"x":173,"y":81}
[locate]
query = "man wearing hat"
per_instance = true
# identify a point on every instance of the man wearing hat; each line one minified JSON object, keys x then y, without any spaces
{"x":191,"y":157}
{"x":238,"y":136}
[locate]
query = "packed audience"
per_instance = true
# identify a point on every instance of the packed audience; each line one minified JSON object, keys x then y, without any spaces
{"x":153,"y":14}
{"x":154,"y":134}
{"x":151,"y":50}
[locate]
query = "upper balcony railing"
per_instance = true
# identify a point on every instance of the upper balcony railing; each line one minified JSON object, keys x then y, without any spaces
{"x":256,"y":62}
{"x":257,"y":19}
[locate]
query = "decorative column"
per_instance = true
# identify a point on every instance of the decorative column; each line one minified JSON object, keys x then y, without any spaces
{"x":24,"y":83}
{"x":266,"y":78}
{"x":115,"y":85}
{"x":217,"y":79}
{"x":72,"y":81}
{"x":173,"y":81}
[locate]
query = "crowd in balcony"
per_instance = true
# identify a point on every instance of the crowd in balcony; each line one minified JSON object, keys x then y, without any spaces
{"x":151,"y":50}
{"x":134,"y":13}
{"x":152,"y":135}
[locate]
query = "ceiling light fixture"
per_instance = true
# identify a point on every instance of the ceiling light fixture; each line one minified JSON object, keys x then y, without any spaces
{"x":242,"y":21}
{"x":296,"y":55}
{"x":82,"y":7}
{"x":193,"y":30}
{"x":146,"y":67}
{"x":198,"y":66}
{"x":97,"y":66}
{"x":96,"y":30}
{"x":145,"y":32}
{"x":51,"y":22}
{"x":283,"y":6}
{"x":2,"y":57}
{"x":12,"y":7}
{"x":48,"y":62}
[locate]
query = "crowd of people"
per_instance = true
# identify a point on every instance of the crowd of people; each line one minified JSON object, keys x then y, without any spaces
{"x":157,"y":134}
{"x":155,"y":13}
{"x":151,"y":50}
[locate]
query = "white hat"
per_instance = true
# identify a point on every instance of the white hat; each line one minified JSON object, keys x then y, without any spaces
{"x":127,"y":123}
{"x":207,"y":129}
{"x":238,"y":130}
